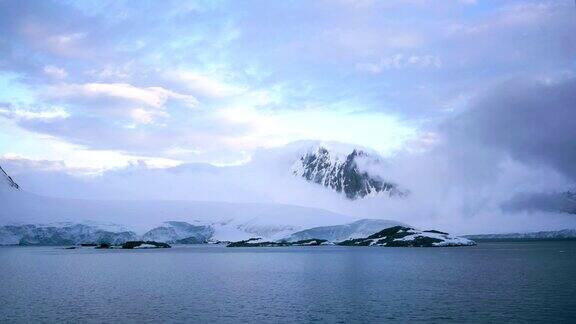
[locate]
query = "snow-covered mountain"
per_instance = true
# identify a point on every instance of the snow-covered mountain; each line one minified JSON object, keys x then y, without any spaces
{"x":337,"y":233}
{"x":6,"y":181}
{"x":345,"y":171}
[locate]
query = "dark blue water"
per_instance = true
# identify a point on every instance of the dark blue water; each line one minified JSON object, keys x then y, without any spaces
{"x":493,"y":282}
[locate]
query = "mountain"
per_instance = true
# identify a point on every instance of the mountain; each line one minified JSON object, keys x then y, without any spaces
{"x":400,"y":236}
{"x":337,"y":233}
{"x":6,"y":181}
{"x":344,"y":171}
{"x":180,"y":232}
{"x":60,"y":234}
{"x":566,"y":234}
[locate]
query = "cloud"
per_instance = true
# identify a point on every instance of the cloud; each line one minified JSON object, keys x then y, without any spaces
{"x":28,"y":114}
{"x":555,"y":202}
{"x":141,"y":105}
{"x":155,"y":97}
{"x":204,"y":85}
{"x":55,"y":72}
{"x":401,"y":61}
{"x":530,"y":120}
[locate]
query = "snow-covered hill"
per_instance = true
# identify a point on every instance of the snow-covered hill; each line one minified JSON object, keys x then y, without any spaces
{"x":345,"y":170}
{"x":337,"y":233}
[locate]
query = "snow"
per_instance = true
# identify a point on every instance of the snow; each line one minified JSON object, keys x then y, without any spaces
{"x":449,"y":241}
{"x":313,"y":242}
{"x":146,"y":246}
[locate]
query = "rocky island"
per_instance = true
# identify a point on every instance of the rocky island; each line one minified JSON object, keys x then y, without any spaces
{"x":145,"y":245}
{"x":396,"y":236}
{"x":258,"y":242}
{"x":400,"y":236}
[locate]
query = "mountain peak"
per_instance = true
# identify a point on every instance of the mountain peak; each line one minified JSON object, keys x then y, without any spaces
{"x":6,"y":179}
{"x":345,"y":170}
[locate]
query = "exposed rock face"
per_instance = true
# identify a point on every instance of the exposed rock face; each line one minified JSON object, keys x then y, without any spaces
{"x":180,"y":232}
{"x":6,"y":181}
{"x":342,"y":173}
{"x":60,"y":235}
{"x":399,"y":236}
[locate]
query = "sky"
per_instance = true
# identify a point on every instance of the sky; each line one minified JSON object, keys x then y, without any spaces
{"x":98,"y":84}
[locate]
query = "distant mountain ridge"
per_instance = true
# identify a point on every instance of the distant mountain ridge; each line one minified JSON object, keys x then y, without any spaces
{"x":341,"y":172}
{"x":542,"y":235}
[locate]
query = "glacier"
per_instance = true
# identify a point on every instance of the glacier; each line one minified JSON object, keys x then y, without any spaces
{"x":337,"y":233}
